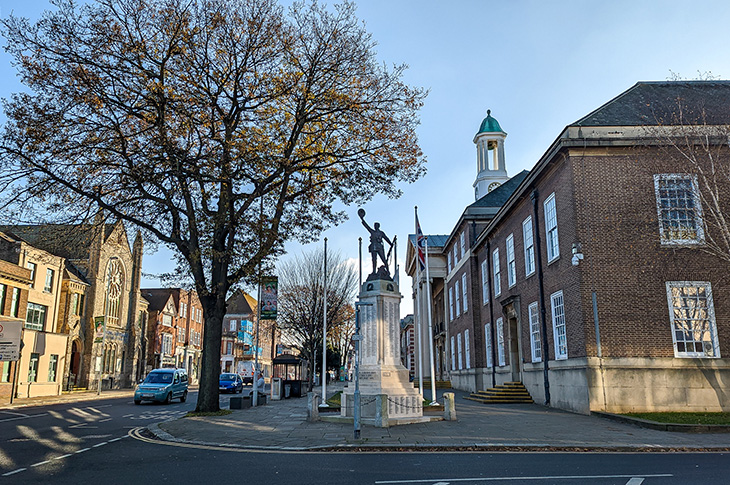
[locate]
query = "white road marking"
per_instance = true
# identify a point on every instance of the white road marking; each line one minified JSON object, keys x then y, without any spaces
{"x":14,"y":414}
{"x":127,"y":415}
{"x":105,"y":420}
{"x":24,"y":416}
{"x":63,"y":456}
{"x":78,"y":425}
{"x":635,"y":481}
{"x":41,"y":463}
{"x":14,"y":472}
{"x":82,"y":450}
{"x":499,"y":479}
{"x":116,"y":439}
{"x":100,"y":444}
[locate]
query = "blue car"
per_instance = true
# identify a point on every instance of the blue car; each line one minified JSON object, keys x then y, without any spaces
{"x":163,"y":385}
{"x":230,"y":383}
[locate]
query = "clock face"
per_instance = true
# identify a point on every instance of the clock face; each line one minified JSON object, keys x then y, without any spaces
{"x":493,"y":186}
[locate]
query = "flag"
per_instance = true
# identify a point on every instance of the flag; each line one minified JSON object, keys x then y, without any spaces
{"x":420,"y":245}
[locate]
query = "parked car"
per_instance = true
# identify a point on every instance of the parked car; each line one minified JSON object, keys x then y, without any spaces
{"x":230,"y":383}
{"x":163,"y":385}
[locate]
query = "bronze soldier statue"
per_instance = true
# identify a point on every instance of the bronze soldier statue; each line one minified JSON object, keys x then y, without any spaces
{"x":376,"y":247}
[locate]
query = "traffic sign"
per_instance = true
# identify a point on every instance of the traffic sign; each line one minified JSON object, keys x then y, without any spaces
{"x":10,"y":333}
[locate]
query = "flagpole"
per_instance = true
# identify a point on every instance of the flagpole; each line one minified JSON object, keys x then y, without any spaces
{"x":324,"y":334}
{"x":419,"y":313}
{"x":430,"y":327}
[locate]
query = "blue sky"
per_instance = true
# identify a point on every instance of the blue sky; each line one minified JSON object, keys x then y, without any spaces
{"x":537,"y":65}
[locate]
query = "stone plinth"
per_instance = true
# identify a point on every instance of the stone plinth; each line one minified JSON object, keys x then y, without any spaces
{"x":386,"y":394}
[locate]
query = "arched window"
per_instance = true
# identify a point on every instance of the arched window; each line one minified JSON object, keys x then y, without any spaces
{"x":114,"y":289}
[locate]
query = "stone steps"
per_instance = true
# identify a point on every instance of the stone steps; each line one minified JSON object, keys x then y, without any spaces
{"x":507,"y":393}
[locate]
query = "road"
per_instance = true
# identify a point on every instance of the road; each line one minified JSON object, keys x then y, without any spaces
{"x":100,"y":442}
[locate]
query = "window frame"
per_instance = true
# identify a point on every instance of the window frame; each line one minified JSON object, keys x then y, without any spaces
{"x":39,"y":311}
{"x":53,"y":368}
{"x":459,"y":350}
{"x":501,"y":353}
{"x":529,"y":249}
{"x":467,"y":352}
{"x":50,"y":276}
{"x":535,"y":341}
{"x":485,"y":281}
{"x":552,"y":240}
{"x":559,"y":321}
{"x":711,"y":321}
{"x":453,"y":354}
{"x":462,"y":241}
{"x":496,"y":273}
{"x":488,"y":344}
{"x":457,"y":302}
{"x":33,"y":365}
{"x":465,"y":305}
{"x":451,"y":303}
{"x":33,"y":267}
{"x":511,"y":265}
{"x":698,"y":218}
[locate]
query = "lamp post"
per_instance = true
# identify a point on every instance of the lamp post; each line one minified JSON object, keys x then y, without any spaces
{"x":356,"y":396}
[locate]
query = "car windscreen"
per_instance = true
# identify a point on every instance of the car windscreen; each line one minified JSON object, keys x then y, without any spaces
{"x":227,"y":377}
{"x":158,"y":378}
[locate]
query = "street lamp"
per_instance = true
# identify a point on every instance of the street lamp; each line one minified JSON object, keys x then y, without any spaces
{"x":356,"y":396}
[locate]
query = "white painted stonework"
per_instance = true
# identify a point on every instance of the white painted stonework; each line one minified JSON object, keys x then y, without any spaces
{"x":381,"y":371}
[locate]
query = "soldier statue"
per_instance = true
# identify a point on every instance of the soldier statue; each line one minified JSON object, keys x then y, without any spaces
{"x":376,"y":247}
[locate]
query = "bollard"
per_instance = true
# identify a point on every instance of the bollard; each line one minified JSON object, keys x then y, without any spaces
{"x":312,"y":407}
{"x":449,"y":407}
{"x":381,"y":411}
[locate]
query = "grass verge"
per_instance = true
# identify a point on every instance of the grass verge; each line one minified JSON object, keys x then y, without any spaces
{"x":684,"y":418}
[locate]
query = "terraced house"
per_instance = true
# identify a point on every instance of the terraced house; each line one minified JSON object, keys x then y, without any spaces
{"x":80,"y":276}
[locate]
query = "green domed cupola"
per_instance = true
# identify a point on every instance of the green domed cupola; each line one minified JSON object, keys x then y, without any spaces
{"x":491,"y":169}
{"x":490,"y":125}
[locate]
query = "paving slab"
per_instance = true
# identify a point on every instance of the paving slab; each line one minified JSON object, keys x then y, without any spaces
{"x":282,"y":424}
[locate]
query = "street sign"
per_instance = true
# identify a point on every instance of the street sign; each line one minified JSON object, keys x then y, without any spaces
{"x":10,"y":332}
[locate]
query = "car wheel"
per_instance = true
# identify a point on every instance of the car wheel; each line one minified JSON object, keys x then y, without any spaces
{"x":137,"y":401}
{"x":168,"y":398}
{"x":184,"y":396}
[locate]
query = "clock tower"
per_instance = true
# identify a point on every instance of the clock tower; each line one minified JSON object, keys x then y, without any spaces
{"x":491,"y":170}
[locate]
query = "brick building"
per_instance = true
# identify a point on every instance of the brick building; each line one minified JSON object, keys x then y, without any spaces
{"x":82,"y":274}
{"x":239,"y":343}
{"x":14,"y":282}
{"x":174,"y":330}
{"x":595,"y":286}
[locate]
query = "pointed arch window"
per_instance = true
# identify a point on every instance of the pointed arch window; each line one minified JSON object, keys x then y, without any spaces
{"x":114,"y":289}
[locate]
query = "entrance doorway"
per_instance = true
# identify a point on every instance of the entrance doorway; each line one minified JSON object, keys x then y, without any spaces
{"x":73,"y":378}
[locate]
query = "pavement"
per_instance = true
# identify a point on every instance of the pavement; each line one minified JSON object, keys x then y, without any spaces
{"x":282,"y":425}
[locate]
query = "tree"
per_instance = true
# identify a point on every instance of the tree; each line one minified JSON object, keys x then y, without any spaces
{"x":220,"y":128}
{"x":301,"y":300}
{"x":341,"y":336}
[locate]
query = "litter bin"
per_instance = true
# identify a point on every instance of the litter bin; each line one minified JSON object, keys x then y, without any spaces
{"x":276,"y":388}
{"x":287,"y":391}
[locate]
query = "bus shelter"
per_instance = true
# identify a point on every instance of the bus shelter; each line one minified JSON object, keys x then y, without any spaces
{"x":293,"y":373}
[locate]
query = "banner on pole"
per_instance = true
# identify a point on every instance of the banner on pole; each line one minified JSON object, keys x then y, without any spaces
{"x":269,"y":293}
{"x":98,"y":330}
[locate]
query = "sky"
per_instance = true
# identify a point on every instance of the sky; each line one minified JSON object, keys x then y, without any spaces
{"x":537,"y":65}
